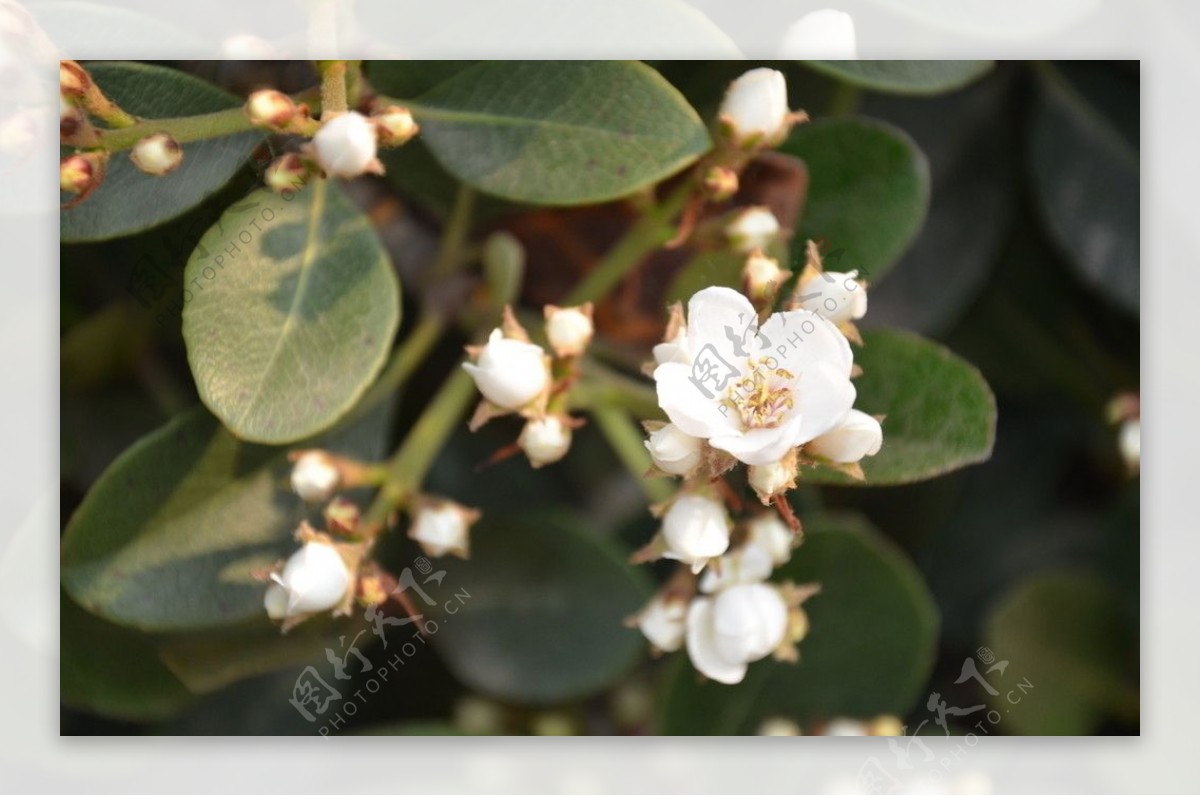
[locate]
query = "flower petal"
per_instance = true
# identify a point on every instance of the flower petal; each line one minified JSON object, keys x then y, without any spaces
{"x":724,"y":319}
{"x":824,"y":398}
{"x":762,"y":445}
{"x":799,"y":338}
{"x":702,"y":645}
{"x":686,"y":406}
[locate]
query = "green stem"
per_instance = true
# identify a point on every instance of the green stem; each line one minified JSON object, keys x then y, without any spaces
{"x":627,"y":442}
{"x":333,"y":87}
{"x":407,"y":468}
{"x":647,"y":234}
{"x":603,"y":387}
{"x":405,"y":359}
{"x":458,"y":223}
{"x":183,"y":129}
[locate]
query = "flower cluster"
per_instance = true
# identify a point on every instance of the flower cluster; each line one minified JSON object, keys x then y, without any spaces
{"x":517,"y":376}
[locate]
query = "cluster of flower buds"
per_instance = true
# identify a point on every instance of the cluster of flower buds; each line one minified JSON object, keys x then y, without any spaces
{"x":886,"y":725}
{"x":737,"y":616}
{"x":517,"y":376}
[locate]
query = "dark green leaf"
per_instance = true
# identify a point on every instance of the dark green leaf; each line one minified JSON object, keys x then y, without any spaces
{"x":940,"y":413}
{"x":129,"y":201}
{"x":1086,"y":179}
{"x":543,"y":623}
{"x":169,"y":536}
{"x":869,"y":650}
{"x":867,"y":196}
{"x":112,"y":670}
{"x":905,"y":77}
{"x":290,"y":309}
{"x":561,"y":133}
{"x":406,"y":80}
{"x":1064,"y":637}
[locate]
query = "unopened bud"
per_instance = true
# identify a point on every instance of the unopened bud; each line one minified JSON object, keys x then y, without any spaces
{"x":395,"y":125}
{"x":73,"y":79}
{"x":773,"y":479}
{"x":503,"y":258}
{"x":510,"y":373}
{"x":82,"y":172}
{"x":443,"y":527}
{"x":777,"y":726}
{"x":71,"y":118}
{"x":345,"y":146}
{"x":762,"y":277}
{"x":545,"y":440}
{"x":286,"y":174}
{"x":720,"y":183}
{"x":673,"y":451}
{"x":755,"y":108}
{"x":157,"y":154}
{"x":314,"y":579}
{"x":315,"y":476}
{"x":270,"y":108}
{"x":752,"y":228}
{"x":342,"y":516}
{"x":569,"y":329}
{"x":886,"y":725}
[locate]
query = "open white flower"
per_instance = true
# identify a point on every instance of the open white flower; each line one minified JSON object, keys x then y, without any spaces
{"x":840,"y":297}
{"x":858,"y":436}
{"x":314,"y":579}
{"x":672,"y":451}
{"x":663,"y":621}
{"x":756,"y":392}
{"x":345,"y":146}
{"x":756,"y":107}
{"x":742,"y":624}
{"x":510,"y":373}
{"x":695,"y":529}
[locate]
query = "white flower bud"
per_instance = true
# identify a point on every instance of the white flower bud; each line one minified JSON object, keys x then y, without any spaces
{"x":826,"y":33}
{"x":845,"y":727}
{"x":674,"y":452}
{"x":695,"y":529}
{"x":509,"y":373}
{"x":762,"y":277}
{"x":748,"y":564}
{"x":395,"y":125}
{"x":443,"y":528}
{"x":569,"y":329}
{"x":1129,"y":443}
{"x":858,"y":436}
{"x":753,"y":228}
{"x":740,"y":625}
{"x":287,"y":174}
{"x":157,"y":154}
{"x":777,"y":725}
{"x":345,"y":145}
{"x":314,"y":579}
{"x":773,"y":479}
{"x":270,"y":108}
{"x":81,"y":173}
{"x":545,"y":440}
{"x":478,"y":716}
{"x":315,"y":477}
{"x":772,"y":535}
{"x":841,"y":298}
{"x":663,"y":621}
{"x":756,"y":107}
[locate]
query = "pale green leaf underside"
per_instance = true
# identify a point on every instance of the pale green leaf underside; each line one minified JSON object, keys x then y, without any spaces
{"x":290,"y":310}
{"x":559,"y":132}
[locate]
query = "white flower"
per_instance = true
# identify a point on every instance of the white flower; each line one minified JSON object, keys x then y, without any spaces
{"x":569,"y":329}
{"x":510,"y":373}
{"x":695,"y":529}
{"x":826,"y":33}
{"x":443,"y":528}
{"x":753,"y":228}
{"x":750,"y":563}
{"x":756,"y":392}
{"x":846,"y":727}
{"x":545,"y":440}
{"x":1129,"y":443}
{"x":315,"y":477}
{"x":672,"y":451}
{"x":771,"y":534}
{"x":858,"y":436}
{"x":663,"y":621}
{"x":314,"y":579}
{"x":773,"y":478}
{"x":740,"y":625}
{"x":157,"y":154}
{"x":756,"y":107}
{"x":345,"y":145}
{"x":839,"y":297}
{"x":762,"y":277}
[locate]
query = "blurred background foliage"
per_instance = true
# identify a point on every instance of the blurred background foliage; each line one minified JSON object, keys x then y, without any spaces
{"x":1001,"y":201}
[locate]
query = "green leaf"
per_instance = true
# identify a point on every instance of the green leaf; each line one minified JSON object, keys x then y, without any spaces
{"x":940,"y":414}
{"x":112,"y":670}
{"x":870,"y":647}
{"x":170,"y":536}
{"x":868,"y":192}
{"x":562,"y":132}
{"x":905,"y":77}
{"x":290,"y":308}
{"x":1086,"y":182}
{"x":129,"y":201}
{"x":544,"y":620}
{"x":1063,"y":636}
